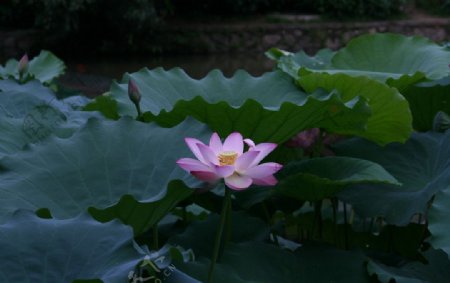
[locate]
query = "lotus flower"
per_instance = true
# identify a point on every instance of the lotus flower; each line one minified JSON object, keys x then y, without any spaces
{"x":239,"y":169}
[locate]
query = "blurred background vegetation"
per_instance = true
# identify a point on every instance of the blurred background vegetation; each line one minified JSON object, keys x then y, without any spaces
{"x":118,"y":16}
{"x":123,"y":25}
{"x":109,"y":37}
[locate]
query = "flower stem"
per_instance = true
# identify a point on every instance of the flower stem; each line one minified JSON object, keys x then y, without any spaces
{"x":345,"y":226}
{"x":217,"y":243}
{"x":335,"y":204}
{"x":318,"y":218}
{"x":228,"y":226}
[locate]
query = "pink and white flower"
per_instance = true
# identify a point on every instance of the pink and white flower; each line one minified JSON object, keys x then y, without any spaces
{"x":239,"y":169}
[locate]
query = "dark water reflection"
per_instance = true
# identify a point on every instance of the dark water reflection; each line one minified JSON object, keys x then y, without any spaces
{"x":197,"y":66}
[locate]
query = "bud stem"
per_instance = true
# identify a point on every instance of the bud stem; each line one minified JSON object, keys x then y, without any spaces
{"x":138,"y":109}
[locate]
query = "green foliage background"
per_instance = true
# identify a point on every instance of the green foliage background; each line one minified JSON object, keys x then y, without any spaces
{"x":90,"y":190}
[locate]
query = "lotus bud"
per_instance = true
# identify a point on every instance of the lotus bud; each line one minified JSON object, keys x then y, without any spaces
{"x":133,"y":92}
{"x":135,"y":96}
{"x":23,"y":64}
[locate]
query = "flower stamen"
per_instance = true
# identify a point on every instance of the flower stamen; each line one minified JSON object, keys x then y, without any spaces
{"x":227,"y":158}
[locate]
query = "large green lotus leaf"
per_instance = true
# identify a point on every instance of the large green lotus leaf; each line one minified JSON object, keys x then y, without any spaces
{"x":105,"y":105}
{"x":399,"y":60}
{"x":391,"y":117}
{"x":439,"y":224}
{"x":18,"y":105}
{"x":319,"y":178}
{"x":30,"y":113}
{"x":44,"y":67}
{"x":200,"y":235}
{"x":22,"y":118}
{"x":34,"y":93}
{"x":48,"y":250}
{"x":266,"y":108}
{"x":34,"y":88}
{"x":97,"y":166}
{"x":399,"y":82}
{"x":426,"y":100}
{"x":276,"y":53}
{"x":299,"y":64}
{"x":141,"y":216}
{"x":291,"y":63}
{"x":436,"y":270}
{"x":422,"y":165}
{"x":13,"y":138}
{"x":393,"y":55}
{"x":265,"y":263}
{"x":405,"y":81}
{"x":10,"y":70}
{"x":76,"y":102}
{"x":247,"y":258}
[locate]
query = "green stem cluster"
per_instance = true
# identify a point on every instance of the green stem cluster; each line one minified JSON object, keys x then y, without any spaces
{"x":225,"y":220}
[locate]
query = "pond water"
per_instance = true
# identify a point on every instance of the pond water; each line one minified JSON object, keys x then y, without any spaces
{"x":93,"y":76}
{"x":197,"y":66}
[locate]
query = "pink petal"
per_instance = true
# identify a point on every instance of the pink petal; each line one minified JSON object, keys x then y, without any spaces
{"x":215,"y":143}
{"x":245,"y":160}
{"x":263,"y":170}
{"x":192,"y":144}
{"x":266,"y":181}
{"x":205,"y":176}
{"x":234,"y":143}
{"x":250,"y":143}
{"x":190,"y":164}
{"x":238,"y":182}
{"x":264,"y":150}
{"x":224,"y":171}
{"x":208,"y":155}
